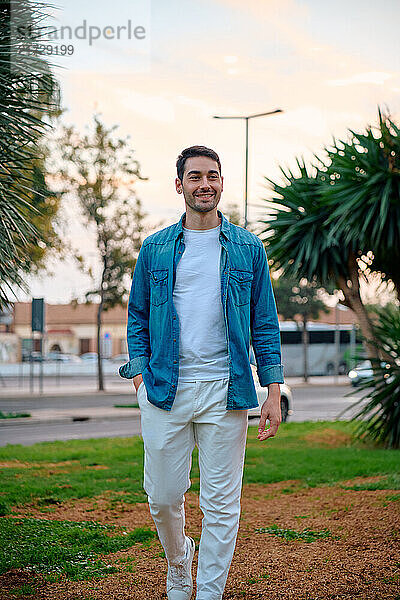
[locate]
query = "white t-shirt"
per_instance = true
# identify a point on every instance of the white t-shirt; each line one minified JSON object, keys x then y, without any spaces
{"x":203,"y":351}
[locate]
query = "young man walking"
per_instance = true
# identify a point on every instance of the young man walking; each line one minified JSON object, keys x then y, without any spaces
{"x":200,"y":288}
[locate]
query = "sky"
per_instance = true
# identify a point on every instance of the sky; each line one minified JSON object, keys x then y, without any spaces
{"x":326,"y":65}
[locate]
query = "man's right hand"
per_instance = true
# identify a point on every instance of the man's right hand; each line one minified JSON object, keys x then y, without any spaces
{"x":137,"y":380}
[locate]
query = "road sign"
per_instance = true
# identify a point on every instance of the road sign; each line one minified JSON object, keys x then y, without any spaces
{"x":38,"y":314}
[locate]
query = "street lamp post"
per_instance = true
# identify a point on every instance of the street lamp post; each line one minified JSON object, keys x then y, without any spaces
{"x":247,"y":119}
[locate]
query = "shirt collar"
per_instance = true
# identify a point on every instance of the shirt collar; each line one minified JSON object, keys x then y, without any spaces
{"x":225,"y":226}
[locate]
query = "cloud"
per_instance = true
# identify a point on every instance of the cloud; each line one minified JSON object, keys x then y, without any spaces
{"x":374,"y":77}
{"x":156,"y":108}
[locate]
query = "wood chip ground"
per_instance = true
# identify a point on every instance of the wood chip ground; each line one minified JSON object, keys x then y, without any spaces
{"x":362,"y":564}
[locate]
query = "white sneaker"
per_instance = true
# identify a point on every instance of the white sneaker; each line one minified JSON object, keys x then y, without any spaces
{"x":179,"y":577}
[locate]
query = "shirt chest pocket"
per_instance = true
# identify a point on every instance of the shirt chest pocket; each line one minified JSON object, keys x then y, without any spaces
{"x":240,"y":287}
{"x":158,"y":287}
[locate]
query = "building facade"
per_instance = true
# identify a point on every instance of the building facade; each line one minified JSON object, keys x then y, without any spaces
{"x":70,"y":329}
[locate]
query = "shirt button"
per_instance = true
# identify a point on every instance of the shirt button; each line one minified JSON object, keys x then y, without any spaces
{"x":174,"y":318}
{"x":173,"y":385}
{"x":174,"y":340}
{"x":175,"y":361}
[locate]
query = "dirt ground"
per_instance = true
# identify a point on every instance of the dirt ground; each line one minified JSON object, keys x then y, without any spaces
{"x":363,"y":563}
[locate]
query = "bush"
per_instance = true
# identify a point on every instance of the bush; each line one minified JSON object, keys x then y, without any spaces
{"x":379,"y":418}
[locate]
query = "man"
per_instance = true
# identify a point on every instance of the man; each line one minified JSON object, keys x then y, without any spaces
{"x":199,"y":288}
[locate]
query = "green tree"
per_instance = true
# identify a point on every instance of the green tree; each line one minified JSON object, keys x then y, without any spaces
{"x":29,"y":94}
{"x":364,"y":195}
{"x":300,"y":301}
{"x":339,"y":222}
{"x":378,"y":414}
{"x":100,"y":170}
{"x":42,"y":213}
{"x":299,"y":240}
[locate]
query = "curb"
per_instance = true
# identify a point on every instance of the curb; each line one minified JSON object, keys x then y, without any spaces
{"x":310,"y":385}
{"x":25,"y":395}
{"x":78,"y":418}
{"x":128,"y":392}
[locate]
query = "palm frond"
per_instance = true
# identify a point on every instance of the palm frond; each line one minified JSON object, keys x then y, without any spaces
{"x":28,"y":93}
{"x":379,"y":414}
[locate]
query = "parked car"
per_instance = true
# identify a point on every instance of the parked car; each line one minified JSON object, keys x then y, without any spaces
{"x":89,"y":356}
{"x":120,"y":358}
{"x":364,"y":371}
{"x":32,"y":356}
{"x":360,"y":373}
{"x":61,"y":357}
{"x":286,"y":398}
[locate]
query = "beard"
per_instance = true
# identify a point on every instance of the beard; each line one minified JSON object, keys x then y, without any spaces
{"x":201,"y":206}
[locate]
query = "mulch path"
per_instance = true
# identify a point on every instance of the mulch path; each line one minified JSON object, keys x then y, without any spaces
{"x":362,"y":564}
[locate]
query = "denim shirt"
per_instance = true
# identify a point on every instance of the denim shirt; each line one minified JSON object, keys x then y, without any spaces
{"x":248,"y":306}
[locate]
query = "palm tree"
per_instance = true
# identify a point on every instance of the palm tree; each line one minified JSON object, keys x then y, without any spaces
{"x":338,"y":222}
{"x":301,"y":245}
{"x":364,"y":194}
{"x":28,"y":93}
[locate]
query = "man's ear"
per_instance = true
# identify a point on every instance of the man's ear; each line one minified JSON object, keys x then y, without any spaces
{"x":178,"y":185}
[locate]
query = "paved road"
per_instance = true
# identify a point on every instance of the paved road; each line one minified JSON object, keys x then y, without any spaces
{"x":13,"y":386}
{"x":312,"y":402}
{"x":318,"y":400}
{"x":49,"y":432}
{"x":322,"y":402}
{"x":82,"y":400}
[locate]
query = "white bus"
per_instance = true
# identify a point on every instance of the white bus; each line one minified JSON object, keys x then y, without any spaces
{"x":329,"y":347}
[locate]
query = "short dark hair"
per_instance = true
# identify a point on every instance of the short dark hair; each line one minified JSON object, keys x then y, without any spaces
{"x":195,"y":151}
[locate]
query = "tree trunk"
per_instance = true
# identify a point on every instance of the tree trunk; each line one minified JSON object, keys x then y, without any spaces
{"x":100,"y":378}
{"x":353,"y":301}
{"x":305,"y":349}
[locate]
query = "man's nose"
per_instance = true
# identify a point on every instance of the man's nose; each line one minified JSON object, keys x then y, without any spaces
{"x":204,"y":182}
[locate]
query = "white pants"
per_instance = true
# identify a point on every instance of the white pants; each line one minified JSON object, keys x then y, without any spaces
{"x":198,"y":416}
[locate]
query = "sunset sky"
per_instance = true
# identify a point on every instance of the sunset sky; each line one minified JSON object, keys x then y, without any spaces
{"x":327,"y":65}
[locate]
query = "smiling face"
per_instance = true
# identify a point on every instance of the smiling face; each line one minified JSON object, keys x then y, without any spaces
{"x":202,"y":184}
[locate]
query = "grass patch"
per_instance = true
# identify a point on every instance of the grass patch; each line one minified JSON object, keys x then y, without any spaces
{"x":69,"y":548}
{"x":13,"y":415}
{"x":4,"y":509}
{"x":393,"y":498}
{"x":63,"y":470}
{"x":289,"y":535}
{"x":392,"y":482}
{"x":24,"y":590}
{"x":294,"y":455}
{"x":48,"y":473}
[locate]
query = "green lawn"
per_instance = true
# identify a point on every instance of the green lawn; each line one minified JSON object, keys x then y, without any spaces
{"x":70,"y":547}
{"x":13,"y":415}
{"x":76,"y":469}
{"x":299,"y":452}
{"x":48,"y":473}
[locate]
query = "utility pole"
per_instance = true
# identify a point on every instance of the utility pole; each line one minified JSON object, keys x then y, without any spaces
{"x":247,"y":119}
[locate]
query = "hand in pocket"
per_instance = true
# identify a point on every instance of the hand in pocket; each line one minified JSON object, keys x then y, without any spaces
{"x":137,"y":380}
